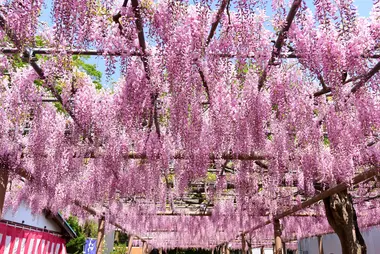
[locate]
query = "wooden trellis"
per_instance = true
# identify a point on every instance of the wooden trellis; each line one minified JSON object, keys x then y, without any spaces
{"x":276,"y":53}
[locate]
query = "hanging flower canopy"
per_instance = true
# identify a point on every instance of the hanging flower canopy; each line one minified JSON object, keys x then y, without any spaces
{"x":228,"y":113}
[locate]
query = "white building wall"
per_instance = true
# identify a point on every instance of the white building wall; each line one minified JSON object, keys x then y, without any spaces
{"x":331,"y":243}
{"x":266,"y":251}
{"x":23,"y":215}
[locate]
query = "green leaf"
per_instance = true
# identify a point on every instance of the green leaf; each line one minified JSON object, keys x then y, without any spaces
{"x":38,"y":82}
{"x":17,"y":62}
{"x":211,"y":177}
{"x":59,"y":107}
{"x":98,"y":86}
{"x":326,"y":141}
{"x":89,"y":69}
{"x":40,"y":42}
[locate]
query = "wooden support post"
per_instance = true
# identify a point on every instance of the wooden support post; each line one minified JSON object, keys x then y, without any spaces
{"x":243,"y":243}
{"x":100,"y":239}
{"x":130,"y":244}
{"x":277,"y":237}
{"x":320,"y":244}
{"x":262,"y":250}
{"x":117,"y":233}
{"x":145,"y":248}
{"x":3,"y":188}
{"x":250,"y":245}
{"x":341,"y":215}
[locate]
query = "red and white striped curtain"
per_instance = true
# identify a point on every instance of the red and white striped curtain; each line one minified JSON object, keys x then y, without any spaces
{"x":15,"y":240}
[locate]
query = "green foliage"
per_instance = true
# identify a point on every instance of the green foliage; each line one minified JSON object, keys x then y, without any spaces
{"x":120,"y":244}
{"x":76,"y":245}
{"x":59,"y":107}
{"x":90,"y":69}
{"x":122,"y":238}
{"x":326,"y":141}
{"x":40,"y":41}
{"x":119,"y":249}
{"x":18,"y":62}
{"x":211,"y":177}
{"x":89,"y":229}
{"x":38,"y":82}
{"x":170,"y":177}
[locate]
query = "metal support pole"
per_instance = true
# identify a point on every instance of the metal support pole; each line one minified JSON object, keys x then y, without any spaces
{"x":3,"y":188}
{"x":100,"y":239}
{"x":277,"y":237}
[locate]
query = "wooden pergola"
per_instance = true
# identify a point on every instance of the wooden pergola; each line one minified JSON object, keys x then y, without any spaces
{"x":189,"y":205}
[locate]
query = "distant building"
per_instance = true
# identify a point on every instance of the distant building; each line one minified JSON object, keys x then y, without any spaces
{"x":23,"y":232}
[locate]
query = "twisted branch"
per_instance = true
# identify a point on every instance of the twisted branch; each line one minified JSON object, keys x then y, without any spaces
{"x":280,"y":41}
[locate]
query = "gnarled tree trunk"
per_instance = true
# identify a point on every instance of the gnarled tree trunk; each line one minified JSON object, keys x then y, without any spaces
{"x":342,"y":218}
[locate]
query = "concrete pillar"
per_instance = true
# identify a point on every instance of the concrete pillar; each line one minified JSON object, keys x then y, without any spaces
{"x":100,"y":238}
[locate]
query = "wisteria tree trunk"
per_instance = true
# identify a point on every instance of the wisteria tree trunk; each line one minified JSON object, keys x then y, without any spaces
{"x":342,"y":218}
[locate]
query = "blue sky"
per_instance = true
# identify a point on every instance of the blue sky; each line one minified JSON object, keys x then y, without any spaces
{"x":364,"y":8}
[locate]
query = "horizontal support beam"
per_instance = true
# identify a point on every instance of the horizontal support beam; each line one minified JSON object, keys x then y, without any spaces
{"x":84,"y":52}
{"x":94,"y":52}
{"x":183,"y":214}
{"x":182,"y":156}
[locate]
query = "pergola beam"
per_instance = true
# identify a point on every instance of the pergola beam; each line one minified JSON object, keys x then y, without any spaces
{"x":375,"y":171}
{"x":215,"y":24}
{"x":182,"y":156}
{"x":83,"y":52}
{"x":366,"y":77}
{"x":280,"y":41}
{"x":96,"y":52}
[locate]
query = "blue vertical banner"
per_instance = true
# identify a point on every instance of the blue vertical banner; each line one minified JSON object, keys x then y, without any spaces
{"x":90,"y":246}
